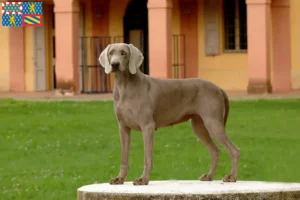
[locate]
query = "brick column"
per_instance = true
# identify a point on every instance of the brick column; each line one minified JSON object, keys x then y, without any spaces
{"x":259,"y":34}
{"x":160,"y":38}
{"x":66,"y":42}
{"x":16,"y":59}
{"x":281,"y":41}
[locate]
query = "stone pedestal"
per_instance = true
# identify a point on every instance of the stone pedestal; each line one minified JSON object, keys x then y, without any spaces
{"x":192,"y":190}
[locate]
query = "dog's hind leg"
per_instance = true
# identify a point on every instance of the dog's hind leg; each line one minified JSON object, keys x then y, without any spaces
{"x":202,"y":133}
{"x":216,"y":129}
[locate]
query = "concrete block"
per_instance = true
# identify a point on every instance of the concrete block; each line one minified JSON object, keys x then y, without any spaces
{"x":192,"y":190}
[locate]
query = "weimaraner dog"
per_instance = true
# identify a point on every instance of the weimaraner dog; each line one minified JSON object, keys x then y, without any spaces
{"x":144,"y":103}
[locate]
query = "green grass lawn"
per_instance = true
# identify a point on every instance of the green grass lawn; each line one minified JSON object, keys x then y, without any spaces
{"x":49,"y":149}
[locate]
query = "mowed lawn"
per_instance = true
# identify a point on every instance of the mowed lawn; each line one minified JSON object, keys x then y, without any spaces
{"x":49,"y":149}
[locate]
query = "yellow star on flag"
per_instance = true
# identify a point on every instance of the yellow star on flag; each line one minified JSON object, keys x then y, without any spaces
{"x":32,"y":8}
{"x":12,"y":20}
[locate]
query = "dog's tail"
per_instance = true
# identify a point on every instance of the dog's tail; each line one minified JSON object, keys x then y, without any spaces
{"x":226,"y":100}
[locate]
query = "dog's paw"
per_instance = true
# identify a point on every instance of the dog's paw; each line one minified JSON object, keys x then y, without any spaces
{"x":229,"y":178}
{"x":117,"y":181}
{"x":206,"y":177}
{"x":141,"y":181}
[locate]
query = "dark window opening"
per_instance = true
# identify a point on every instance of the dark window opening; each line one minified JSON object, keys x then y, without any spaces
{"x":235,"y":25}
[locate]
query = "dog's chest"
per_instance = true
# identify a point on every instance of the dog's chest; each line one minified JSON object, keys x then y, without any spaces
{"x":127,"y":114}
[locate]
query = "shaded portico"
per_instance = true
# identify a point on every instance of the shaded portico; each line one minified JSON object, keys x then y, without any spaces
{"x":269,"y":62}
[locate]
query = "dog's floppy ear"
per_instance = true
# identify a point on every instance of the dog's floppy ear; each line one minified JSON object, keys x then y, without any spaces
{"x":136,"y":58}
{"x":103,"y":59}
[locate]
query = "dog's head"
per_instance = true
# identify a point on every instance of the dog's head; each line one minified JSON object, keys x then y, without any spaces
{"x":121,"y":57}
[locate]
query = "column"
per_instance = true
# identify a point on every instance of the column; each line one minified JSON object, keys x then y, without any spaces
{"x":160,"y":38}
{"x":281,"y":44}
{"x":66,"y":42}
{"x":16,"y":59}
{"x":259,"y":34}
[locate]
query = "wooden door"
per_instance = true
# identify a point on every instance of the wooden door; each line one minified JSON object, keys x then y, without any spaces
{"x":39,"y":58}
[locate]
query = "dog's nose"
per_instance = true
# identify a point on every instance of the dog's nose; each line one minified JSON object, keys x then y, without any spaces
{"x":115,"y":65}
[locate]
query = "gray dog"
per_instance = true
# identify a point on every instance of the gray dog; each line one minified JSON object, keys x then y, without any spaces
{"x":145,"y":104}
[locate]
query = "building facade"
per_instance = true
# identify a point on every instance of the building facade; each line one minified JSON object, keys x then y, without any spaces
{"x":241,"y":45}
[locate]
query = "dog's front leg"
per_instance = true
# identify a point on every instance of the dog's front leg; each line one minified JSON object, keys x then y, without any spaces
{"x":148,"y":134}
{"x":125,"y":144}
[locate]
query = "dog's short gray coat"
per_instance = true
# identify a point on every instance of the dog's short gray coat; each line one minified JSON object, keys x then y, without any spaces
{"x":145,"y":104}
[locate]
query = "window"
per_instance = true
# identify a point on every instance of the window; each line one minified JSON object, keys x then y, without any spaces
{"x":235,"y":25}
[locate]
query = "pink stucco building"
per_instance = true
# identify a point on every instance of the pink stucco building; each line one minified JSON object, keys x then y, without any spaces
{"x":241,"y":45}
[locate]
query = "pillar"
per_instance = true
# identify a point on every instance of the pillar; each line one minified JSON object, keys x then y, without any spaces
{"x":160,"y":38}
{"x":66,"y":43}
{"x":259,"y":34}
{"x":281,"y":46}
{"x":16,"y":59}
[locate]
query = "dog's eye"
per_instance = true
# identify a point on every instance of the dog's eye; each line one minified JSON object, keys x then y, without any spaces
{"x":123,"y":53}
{"x":111,"y":53}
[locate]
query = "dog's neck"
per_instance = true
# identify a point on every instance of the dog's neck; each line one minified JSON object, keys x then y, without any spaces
{"x":126,"y":79}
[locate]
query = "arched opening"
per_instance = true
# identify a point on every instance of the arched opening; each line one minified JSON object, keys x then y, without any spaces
{"x":135,"y":24}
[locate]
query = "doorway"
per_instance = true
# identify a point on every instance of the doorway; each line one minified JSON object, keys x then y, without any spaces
{"x":39,"y":58}
{"x":135,"y":24}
